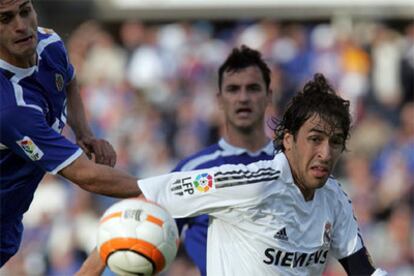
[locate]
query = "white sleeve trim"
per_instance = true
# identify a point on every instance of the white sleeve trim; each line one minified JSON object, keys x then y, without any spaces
{"x":379,"y":272}
{"x":68,"y":161}
{"x":146,"y":192}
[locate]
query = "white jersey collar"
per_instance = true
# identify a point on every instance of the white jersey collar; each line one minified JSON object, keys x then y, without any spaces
{"x":17,"y":71}
{"x":226,"y":146}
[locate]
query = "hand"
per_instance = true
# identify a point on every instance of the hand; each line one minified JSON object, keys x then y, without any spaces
{"x":98,"y":149}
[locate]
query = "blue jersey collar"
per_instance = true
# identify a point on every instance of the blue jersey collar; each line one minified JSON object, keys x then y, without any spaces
{"x":226,"y":146}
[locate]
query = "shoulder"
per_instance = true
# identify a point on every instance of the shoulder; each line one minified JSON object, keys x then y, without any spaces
{"x":334,"y":191}
{"x":199,"y":158}
{"x":333,"y":186}
{"x":46,"y":35}
{"x":49,"y":40}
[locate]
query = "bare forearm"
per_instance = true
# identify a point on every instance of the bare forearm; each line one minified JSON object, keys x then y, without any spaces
{"x":76,"y":111}
{"x":93,"y":266}
{"x":101,"y":179}
{"x":111,"y":182}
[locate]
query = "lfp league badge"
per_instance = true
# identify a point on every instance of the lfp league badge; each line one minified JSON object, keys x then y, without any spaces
{"x":30,"y":148}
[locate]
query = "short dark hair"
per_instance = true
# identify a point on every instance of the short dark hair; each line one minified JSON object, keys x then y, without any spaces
{"x":242,"y":58}
{"x":316,"y":98}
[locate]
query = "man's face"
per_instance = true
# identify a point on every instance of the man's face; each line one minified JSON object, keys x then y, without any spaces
{"x":18,"y":32}
{"x":313,"y":154}
{"x":244,"y":98}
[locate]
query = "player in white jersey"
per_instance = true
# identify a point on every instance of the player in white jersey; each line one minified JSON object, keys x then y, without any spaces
{"x":279,"y":217}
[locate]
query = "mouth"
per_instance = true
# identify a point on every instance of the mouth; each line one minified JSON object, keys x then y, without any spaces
{"x":25,"y":39}
{"x":320,"y":171}
{"x":244,"y":111}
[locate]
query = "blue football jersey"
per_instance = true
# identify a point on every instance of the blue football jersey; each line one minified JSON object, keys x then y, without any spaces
{"x":32,"y":116}
{"x":195,"y":238}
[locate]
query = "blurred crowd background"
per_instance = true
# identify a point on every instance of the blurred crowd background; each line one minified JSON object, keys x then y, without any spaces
{"x":149,"y":88}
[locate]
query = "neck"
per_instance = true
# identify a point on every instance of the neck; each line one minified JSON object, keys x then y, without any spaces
{"x":20,"y":61}
{"x":306,"y":192}
{"x":252,"y":141}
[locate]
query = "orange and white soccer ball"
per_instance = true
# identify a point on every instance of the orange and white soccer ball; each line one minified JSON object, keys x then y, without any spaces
{"x":137,"y":237}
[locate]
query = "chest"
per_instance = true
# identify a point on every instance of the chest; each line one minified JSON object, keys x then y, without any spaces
{"x":285,"y":223}
{"x":46,"y":88}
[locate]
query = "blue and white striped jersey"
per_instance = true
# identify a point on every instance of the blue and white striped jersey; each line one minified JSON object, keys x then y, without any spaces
{"x":260,"y":223}
{"x":195,"y":238}
{"x":32,"y":116}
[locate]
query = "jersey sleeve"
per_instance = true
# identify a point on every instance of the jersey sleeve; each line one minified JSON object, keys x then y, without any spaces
{"x":209,"y":191}
{"x":25,"y":132}
{"x":346,"y":238}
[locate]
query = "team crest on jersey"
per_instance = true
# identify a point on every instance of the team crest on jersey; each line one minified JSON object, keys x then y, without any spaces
{"x":203,"y":182}
{"x":30,"y":148}
{"x":59,"y":82}
{"x":327,"y":234}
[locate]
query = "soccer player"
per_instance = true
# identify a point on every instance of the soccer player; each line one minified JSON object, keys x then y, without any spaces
{"x":243,"y":95}
{"x":275,"y":217}
{"x":38,"y":94}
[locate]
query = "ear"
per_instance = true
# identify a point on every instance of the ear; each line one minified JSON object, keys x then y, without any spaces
{"x":269,"y":96}
{"x":288,"y":141}
{"x":269,"y":93}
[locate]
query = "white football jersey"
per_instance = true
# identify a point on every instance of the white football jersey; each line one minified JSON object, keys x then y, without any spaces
{"x":260,"y":223}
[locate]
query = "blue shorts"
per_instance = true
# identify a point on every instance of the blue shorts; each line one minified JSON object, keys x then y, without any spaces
{"x":10,"y":238}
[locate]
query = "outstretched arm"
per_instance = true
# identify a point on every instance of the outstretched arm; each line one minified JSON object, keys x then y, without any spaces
{"x":93,"y":266}
{"x":101,"y":179}
{"x":99,"y":149}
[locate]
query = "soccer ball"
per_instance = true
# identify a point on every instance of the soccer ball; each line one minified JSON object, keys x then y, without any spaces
{"x":137,"y":237}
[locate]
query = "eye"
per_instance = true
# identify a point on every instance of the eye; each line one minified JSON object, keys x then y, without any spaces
{"x":25,"y":12}
{"x":232,"y":88}
{"x":254,"y":88}
{"x":6,"y":19}
{"x":337,"y":141}
{"x":315,"y":139}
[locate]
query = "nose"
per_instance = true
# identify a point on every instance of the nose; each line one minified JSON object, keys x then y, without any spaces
{"x":20,"y":24}
{"x":325,"y":151}
{"x":243,"y":95}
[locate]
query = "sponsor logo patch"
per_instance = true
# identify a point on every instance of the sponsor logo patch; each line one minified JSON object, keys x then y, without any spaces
{"x":30,"y":148}
{"x":277,"y":257}
{"x":281,"y":234}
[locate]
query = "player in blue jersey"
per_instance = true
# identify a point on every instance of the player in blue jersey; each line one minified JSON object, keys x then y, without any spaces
{"x":38,"y":95}
{"x":243,"y":95}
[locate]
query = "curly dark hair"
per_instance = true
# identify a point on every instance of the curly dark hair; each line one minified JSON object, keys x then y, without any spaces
{"x":316,"y":98}
{"x":242,"y":58}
